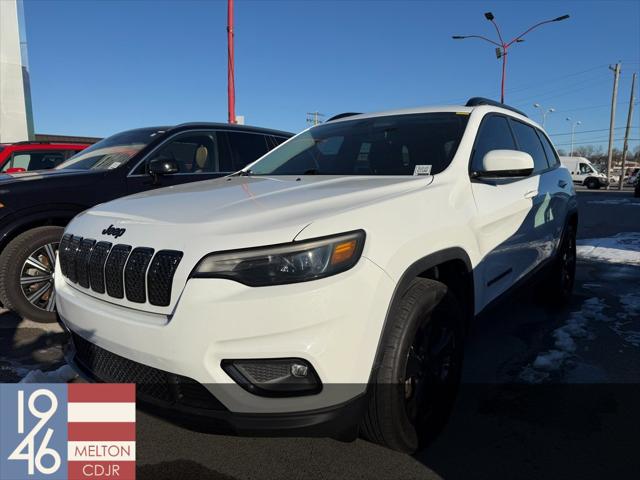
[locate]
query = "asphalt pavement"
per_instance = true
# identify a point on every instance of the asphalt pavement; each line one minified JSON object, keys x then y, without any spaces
{"x":546,"y":392}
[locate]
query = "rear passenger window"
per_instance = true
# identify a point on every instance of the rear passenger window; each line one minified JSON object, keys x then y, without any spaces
{"x":495,"y":134}
{"x":245,"y":148}
{"x":529,"y":142}
{"x":552,"y":157}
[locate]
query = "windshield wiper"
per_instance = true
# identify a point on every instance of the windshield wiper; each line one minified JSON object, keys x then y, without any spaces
{"x":312,"y":171}
{"x":242,"y":173}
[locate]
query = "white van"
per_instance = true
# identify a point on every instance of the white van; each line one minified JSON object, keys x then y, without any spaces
{"x":584,"y":173}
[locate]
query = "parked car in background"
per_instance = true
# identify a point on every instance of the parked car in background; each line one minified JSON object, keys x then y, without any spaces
{"x":583,"y":172}
{"x":632,"y":179}
{"x":329,"y":285}
{"x":35,"y":206}
{"x":25,"y":156}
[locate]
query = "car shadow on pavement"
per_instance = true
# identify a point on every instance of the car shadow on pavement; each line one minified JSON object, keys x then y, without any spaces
{"x":25,"y":346}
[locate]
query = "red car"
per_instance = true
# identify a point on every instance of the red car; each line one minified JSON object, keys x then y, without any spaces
{"x":23,"y":156}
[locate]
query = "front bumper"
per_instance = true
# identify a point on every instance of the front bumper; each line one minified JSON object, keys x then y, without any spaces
{"x":333,"y":323}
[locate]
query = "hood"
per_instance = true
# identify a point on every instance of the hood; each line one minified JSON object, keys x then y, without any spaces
{"x":232,"y":213}
{"x":13,"y":178}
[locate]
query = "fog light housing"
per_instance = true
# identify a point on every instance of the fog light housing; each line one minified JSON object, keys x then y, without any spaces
{"x":274,"y":377}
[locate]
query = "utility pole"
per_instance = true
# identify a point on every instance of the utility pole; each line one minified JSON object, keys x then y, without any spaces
{"x":625,"y":149}
{"x":616,"y":77}
{"x":313,"y":118}
{"x":231,"y":83}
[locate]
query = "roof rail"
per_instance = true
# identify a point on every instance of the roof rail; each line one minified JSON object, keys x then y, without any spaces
{"x":477,"y":101}
{"x":344,"y":115}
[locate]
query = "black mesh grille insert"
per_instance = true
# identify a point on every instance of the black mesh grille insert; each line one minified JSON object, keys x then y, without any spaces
{"x":72,"y":252}
{"x":163,"y":387}
{"x":135,"y":273}
{"x":113,"y":270}
{"x":96,"y":265}
{"x":82,"y":261}
{"x":160,"y":276}
{"x":63,"y":253}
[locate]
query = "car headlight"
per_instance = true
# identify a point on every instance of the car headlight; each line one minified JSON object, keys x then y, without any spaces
{"x":286,"y":263}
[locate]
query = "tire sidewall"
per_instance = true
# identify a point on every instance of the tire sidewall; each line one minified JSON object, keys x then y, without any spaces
{"x":11,"y":262}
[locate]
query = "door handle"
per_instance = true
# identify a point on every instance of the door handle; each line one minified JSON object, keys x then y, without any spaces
{"x":562,"y":183}
{"x":531,"y":194}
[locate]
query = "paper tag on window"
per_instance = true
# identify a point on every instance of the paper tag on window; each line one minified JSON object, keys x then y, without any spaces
{"x":114,"y":165}
{"x":422,"y":170}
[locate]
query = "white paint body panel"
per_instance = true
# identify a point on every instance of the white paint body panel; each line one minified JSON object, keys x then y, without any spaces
{"x":336,"y":322}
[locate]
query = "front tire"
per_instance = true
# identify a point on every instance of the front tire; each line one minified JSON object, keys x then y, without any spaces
{"x":592,"y":184}
{"x":27,"y":265}
{"x":413,"y":388}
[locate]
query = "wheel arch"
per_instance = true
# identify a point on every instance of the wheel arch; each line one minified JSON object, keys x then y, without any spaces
{"x":451,"y":266}
{"x":23,"y":222}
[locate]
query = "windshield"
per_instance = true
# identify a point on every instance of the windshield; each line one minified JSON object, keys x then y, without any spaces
{"x":388,"y":145}
{"x":113,"y":151}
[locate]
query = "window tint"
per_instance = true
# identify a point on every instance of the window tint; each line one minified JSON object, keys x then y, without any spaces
{"x":529,"y":142}
{"x":245,"y":148}
{"x":552,"y":156}
{"x":495,"y":134}
{"x":194,"y":152}
{"x":38,"y":160}
{"x":386,"y":145}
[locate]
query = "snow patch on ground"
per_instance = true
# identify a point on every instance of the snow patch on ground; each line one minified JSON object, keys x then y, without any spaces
{"x":62,"y":375}
{"x":626,"y":319}
{"x":621,"y":248}
{"x":564,"y":342}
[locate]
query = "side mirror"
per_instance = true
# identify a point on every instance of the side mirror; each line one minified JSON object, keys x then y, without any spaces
{"x":505,"y":163}
{"x":163,"y":166}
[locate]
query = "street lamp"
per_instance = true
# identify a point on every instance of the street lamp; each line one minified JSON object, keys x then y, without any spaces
{"x":573,"y":129}
{"x":544,"y":112}
{"x":502,"y":46}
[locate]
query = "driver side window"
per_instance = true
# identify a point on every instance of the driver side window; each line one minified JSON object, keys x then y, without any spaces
{"x":193,"y":152}
{"x":584,"y":168}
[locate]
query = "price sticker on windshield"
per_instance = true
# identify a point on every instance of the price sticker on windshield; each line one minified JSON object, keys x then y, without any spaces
{"x":422,"y":170}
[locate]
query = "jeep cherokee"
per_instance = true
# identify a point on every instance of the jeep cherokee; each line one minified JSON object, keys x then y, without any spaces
{"x":326,"y":288}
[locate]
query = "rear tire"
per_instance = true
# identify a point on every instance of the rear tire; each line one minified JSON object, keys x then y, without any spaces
{"x":413,"y":388}
{"x":559,"y":282}
{"x":592,"y":184}
{"x":26,"y":274}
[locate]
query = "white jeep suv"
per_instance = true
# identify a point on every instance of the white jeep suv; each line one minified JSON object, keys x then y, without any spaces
{"x":326,"y":288}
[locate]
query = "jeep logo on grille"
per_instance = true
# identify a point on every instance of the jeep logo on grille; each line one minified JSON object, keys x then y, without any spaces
{"x":116,"y":232}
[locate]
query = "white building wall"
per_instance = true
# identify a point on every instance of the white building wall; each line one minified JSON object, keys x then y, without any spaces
{"x":14,"y":124}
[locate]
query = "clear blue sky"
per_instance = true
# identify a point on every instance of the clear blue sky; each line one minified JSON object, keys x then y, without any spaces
{"x":98,"y":67}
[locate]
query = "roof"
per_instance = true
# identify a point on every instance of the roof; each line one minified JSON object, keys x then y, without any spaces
{"x":231,"y":126}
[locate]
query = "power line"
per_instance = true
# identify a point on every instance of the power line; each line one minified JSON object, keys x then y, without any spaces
{"x":604,"y":140}
{"x":583,"y":131}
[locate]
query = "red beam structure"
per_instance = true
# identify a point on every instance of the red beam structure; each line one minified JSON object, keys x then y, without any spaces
{"x":231,"y":84}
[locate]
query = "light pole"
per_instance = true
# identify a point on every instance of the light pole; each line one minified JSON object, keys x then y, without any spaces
{"x":502,"y":47}
{"x":573,"y":130}
{"x":544,"y":112}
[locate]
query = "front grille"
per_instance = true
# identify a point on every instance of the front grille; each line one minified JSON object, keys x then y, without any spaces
{"x":72,"y":252}
{"x":119,"y":271}
{"x":134,"y":274}
{"x":163,"y":387}
{"x":160,"y":276}
{"x":113,"y":270}
{"x":82,"y":261}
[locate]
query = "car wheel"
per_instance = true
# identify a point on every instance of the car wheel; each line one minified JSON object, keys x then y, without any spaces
{"x":559,"y":283}
{"x":413,"y":388}
{"x":592,"y":184}
{"x":26,"y":274}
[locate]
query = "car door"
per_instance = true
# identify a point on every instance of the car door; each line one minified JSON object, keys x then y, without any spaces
{"x":559,"y":186}
{"x":505,"y":209}
{"x":199,"y":155}
{"x":545,"y":214}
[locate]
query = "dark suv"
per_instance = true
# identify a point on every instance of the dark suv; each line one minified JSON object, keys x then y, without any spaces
{"x":23,"y":156}
{"x":35,"y":206}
